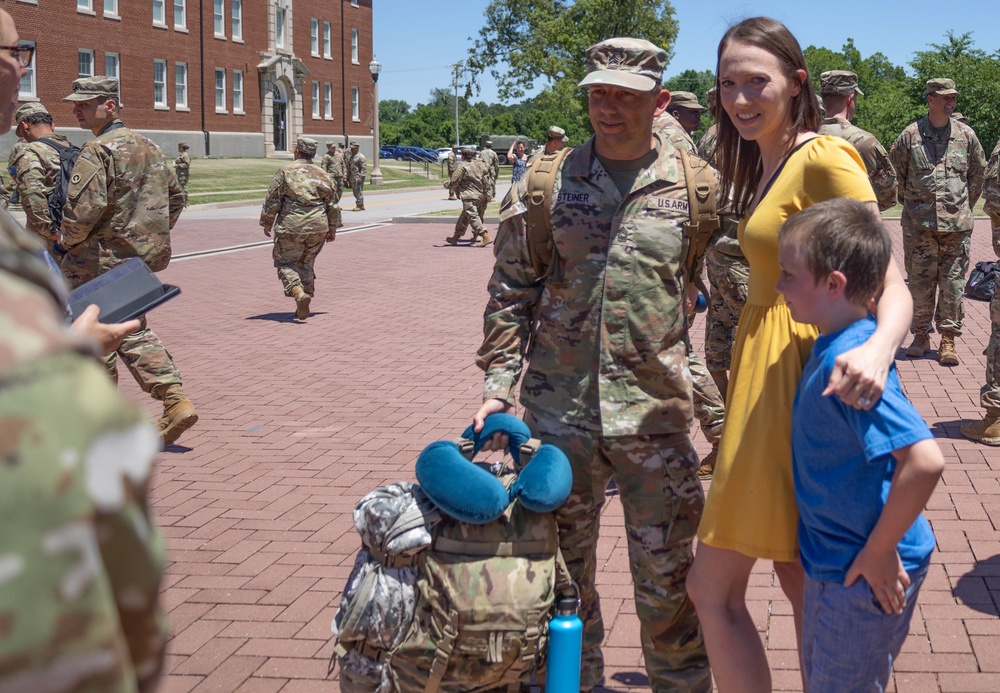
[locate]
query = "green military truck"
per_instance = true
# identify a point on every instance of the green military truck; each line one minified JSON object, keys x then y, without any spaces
{"x":501,"y":143}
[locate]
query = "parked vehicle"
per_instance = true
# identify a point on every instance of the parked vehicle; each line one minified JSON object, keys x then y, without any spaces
{"x":407,"y":153}
{"x":443,"y":153}
{"x":386,"y":152}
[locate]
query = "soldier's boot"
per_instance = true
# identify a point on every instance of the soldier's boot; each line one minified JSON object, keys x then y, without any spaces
{"x":986,"y":431}
{"x":302,"y":301}
{"x":484,"y":240}
{"x":920,"y":345}
{"x":721,"y":379}
{"x":707,"y":468}
{"x":452,"y":240}
{"x":946,"y":351}
{"x":178,"y":413}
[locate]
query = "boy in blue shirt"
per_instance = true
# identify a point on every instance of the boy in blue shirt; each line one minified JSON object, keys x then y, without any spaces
{"x":862,"y":475}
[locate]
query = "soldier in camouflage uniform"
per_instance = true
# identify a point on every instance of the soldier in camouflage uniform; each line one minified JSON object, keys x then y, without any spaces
{"x":607,"y":378}
{"x":357,"y":168}
{"x":333,"y":164}
{"x":555,"y":139}
{"x":82,"y":557}
{"x":686,"y":110}
{"x":988,"y":430}
{"x":182,"y":168}
{"x":37,"y":169}
{"x":939,"y":163}
{"x":492,"y":161}
{"x":469,"y":182}
{"x":452,"y":161}
{"x":301,"y":207}
{"x":122,"y":201}
{"x":839,"y":90}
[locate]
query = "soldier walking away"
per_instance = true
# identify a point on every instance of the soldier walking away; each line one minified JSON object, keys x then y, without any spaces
{"x":452,"y":161}
{"x":492,"y":161}
{"x":182,"y":168}
{"x":469,"y":182}
{"x":939,"y":163}
{"x":839,"y":91}
{"x":121,"y":203}
{"x":606,"y":379}
{"x":357,"y":168}
{"x":302,"y":209}
{"x":37,"y":169}
{"x":988,"y":430}
{"x":333,"y":164}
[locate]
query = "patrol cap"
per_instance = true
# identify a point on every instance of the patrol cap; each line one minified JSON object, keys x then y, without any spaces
{"x":454,"y":146}
{"x":306,"y":146}
{"x":87,"y":88}
{"x":29,"y":109}
{"x":941,"y":86}
{"x":489,"y":143}
{"x":355,"y":144}
{"x":330,"y":143}
{"x":468,"y":150}
{"x":711,"y":98}
{"x":957,"y":115}
{"x":625,"y":62}
{"x":685,"y":99}
{"x":557,"y":133}
{"x":841,"y":82}
{"x":185,"y":145}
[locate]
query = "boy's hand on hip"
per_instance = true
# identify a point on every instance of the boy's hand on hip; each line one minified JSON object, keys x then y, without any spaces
{"x":884,"y":573}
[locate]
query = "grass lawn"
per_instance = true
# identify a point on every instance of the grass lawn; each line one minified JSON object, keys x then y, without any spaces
{"x":492,"y":210}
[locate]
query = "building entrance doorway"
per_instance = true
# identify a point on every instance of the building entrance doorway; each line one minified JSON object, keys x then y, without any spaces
{"x":280,"y":119}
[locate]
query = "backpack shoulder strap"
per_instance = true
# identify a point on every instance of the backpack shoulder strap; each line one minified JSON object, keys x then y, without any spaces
{"x":703,"y":212}
{"x":541,"y":185}
{"x":55,"y":145}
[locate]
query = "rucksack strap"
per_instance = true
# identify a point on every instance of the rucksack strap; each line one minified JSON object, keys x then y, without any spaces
{"x":703,"y":213}
{"x":444,"y":649}
{"x":55,"y":145}
{"x":541,"y":185}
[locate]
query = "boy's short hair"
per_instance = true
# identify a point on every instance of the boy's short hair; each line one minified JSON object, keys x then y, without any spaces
{"x":842,"y":235}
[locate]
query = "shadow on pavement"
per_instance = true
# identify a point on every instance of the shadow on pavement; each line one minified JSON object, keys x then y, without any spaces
{"x":979,"y":588}
{"x":275,"y":317}
{"x":949,"y":429}
{"x":632,"y":679}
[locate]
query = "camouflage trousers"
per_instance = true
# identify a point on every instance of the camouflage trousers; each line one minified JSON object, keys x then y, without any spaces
{"x":989,"y":394}
{"x":937,"y":265}
{"x":358,"y":186}
{"x":709,"y":403}
{"x":338,"y":185}
{"x":147,"y":360}
{"x":663,"y":500}
{"x":470,"y":217}
{"x":727,"y":277}
{"x":294,"y":256}
{"x":182,"y":180}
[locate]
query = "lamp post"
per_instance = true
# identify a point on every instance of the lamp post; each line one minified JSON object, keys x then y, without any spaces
{"x":375,"y":67}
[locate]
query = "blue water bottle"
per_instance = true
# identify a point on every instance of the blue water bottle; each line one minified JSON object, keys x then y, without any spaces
{"x":565,"y":645}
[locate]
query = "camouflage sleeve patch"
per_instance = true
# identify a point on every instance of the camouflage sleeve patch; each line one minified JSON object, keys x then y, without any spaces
{"x":86,"y":197}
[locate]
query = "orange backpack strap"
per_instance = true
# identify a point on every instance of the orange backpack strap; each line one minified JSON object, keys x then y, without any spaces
{"x":541,"y":185}
{"x":703,"y":212}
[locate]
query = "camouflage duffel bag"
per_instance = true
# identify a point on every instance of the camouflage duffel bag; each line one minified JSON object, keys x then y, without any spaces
{"x":435,"y":603}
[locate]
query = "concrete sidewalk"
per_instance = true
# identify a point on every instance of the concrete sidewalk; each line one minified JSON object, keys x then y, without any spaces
{"x":299,"y":420}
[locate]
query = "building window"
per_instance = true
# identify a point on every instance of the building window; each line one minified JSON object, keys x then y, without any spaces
{"x":160,"y":12}
{"x":111,"y":8}
{"x":180,"y":14}
{"x":315,"y":99}
{"x":328,"y":100}
{"x":85,"y":62}
{"x":237,"y":91}
{"x":237,"y":6}
{"x":326,"y":40}
{"x":159,"y":82}
{"x":279,"y":27}
{"x":84,"y":5}
{"x":314,"y":37}
{"x":354,"y":3}
{"x":27,"y":88}
{"x":111,"y":65}
{"x":181,"y":85}
{"x":354,"y":46}
{"x":220,"y":90}
{"x":355,"y":96}
{"x":220,"y":29}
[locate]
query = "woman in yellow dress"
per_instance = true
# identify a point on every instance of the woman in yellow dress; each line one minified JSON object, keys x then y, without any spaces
{"x":775,"y":165}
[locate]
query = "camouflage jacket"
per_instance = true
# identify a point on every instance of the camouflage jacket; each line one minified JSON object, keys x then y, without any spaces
{"x":671,"y":129}
{"x":606,"y":329}
{"x":707,"y":144}
{"x":301,"y":199}
{"x":939,"y":181}
{"x":492,"y":161}
{"x":452,"y":162}
{"x":333,"y":164}
{"x":880,"y":171}
{"x":122,"y":201}
{"x":37,"y":170}
{"x":357,"y":167}
{"x":470,"y":180}
{"x":182,"y":164}
{"x":82,"y":559}
{"x":991,"y":191}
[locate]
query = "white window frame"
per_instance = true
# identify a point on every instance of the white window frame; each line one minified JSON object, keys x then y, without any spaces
{"x":328,"y":101}
{"x":162,"y":5}
{"x":314,"y":37}
{"x":354,"y":3}
{"x":82,"y":53}
{"x":180,"y":15}
{"x":220,"y":90}
{"x":327,"y":43}
{"x":354,"y":46}
{"x":85,"y":6}
{"x":117,"y":62}
{"x":181,"y":86}
{"x":160,"y":63}
{"x":236,"y":27}
{"x":111,"y":9}
{"x":356,"y":104}
{"x":238,"y":91}
{"x":279,"y":27}
{"x":219,"y":18}
{"x":29,"y":78}
{"x":316,"y":103}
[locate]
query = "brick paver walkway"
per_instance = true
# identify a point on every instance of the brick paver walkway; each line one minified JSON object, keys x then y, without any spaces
{"x":298,"y":421}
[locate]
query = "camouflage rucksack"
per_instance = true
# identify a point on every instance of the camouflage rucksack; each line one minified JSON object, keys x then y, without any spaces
{"x":436,"y":604}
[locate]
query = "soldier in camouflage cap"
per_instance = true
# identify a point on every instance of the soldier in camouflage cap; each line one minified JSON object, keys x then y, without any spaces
{"x":555,"y":140}
{"x":301,"y":207}
{"x":122,"y":201}
{"x":939,"y":164}
{"x":357,"y":168}
{"x":333,"y":164}
{"x":37,"y":169}
{"x":452,"y":161}
{"x":492,"y":161}
{"x":685,"y":108}
{"x":606,"y":379}
{"x":182,"y":168}
{"x":470,"y":182}
{"x":839,"y":91}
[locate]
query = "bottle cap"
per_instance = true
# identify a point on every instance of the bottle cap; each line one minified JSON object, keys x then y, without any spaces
{"x":568,"y":605}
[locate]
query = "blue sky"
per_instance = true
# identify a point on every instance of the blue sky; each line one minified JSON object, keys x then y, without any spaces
{"x":416,"y":40}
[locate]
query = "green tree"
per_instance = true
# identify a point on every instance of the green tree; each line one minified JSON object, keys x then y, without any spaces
{"x":392,"y":111}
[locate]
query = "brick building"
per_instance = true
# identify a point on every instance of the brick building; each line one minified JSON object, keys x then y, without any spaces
{"x":230,"y":77}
